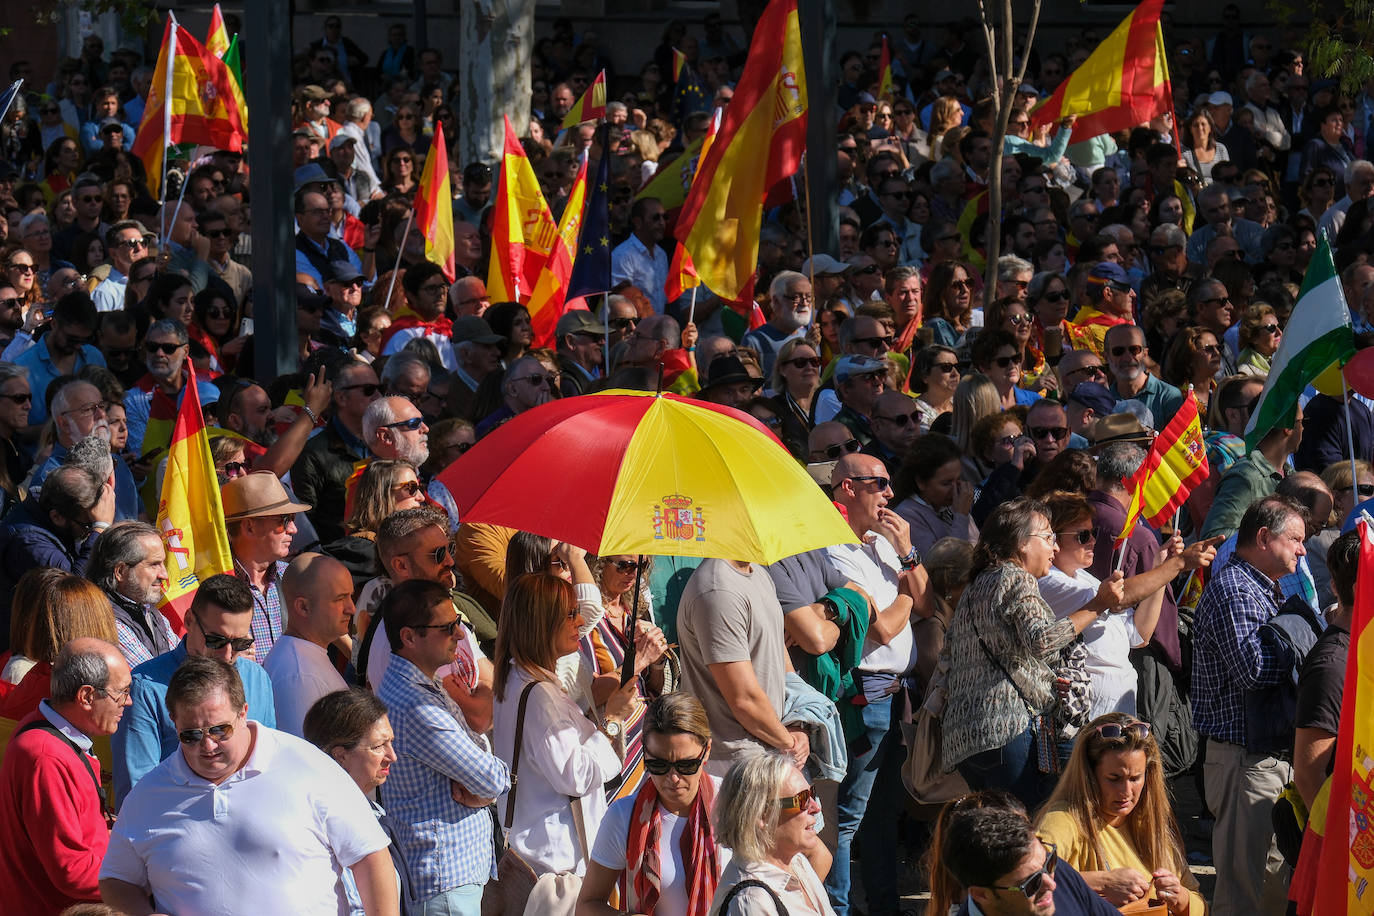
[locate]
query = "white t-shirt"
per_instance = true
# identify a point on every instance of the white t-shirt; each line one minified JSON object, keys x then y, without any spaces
{"x":281,"y":829}
{"x":301,"y":674}
{"x":1109,"y":640}
{"x":609,"y":850}
{"x":875,"y":566}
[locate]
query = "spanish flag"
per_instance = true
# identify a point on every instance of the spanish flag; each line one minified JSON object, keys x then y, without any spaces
{"x":190,"y":517}
{"x":217,"y":38}
{"x":760,"y":143}
{"x":549,"y":300}
{"x":1176,"y":462}
{"x":1346,"y":866}
{"x":191,"y":100}
{"x":682,"y":273}
{"x":434,"y":205}
{"x":885,"y":73}
{"x":592,"y":105}
{"x":1125,"y":82}
{"x":522,"y":228}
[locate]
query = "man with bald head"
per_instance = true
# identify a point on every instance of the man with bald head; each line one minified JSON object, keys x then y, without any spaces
{"x":54,"y":816}
{"x":317,"y":596}
{"x":887,"y":567}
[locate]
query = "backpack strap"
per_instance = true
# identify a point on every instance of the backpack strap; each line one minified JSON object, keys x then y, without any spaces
{"x":42,"y":724}
{"x":748,"y":883}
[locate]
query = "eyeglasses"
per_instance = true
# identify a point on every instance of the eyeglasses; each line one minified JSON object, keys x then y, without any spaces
{"x":120,"y":697}
{"x":1365,"y":490}
{"x":1114,"y":730}
{"x":882,"y":482}
{"x":799,"y":298}
{"x":1048,"y":432}
{"x":657,"y":766}
{"x":1032,"y":885}
{"x":410,"y":487}
{"x":1049,"y":536}
{"x":795,"y":804}
{"x":537,"y":380}
{"x":146,"y":278}
{"x":628,"y":566}
{"x":85,"y":410}
{"x":368,"y":389}
{"x":902,"y":420}
{"x":847,"y":447}
{"x":197,"y":735}
{"x":1133,"y":349}
{"x":885,"y":342}
{"x":803,"y":362}
{"x":1095,"y":371}
{"x":410,"y":425}
{"x":1084,"y":536}
{"x":449,"y":628}
{"x":161,"y":346}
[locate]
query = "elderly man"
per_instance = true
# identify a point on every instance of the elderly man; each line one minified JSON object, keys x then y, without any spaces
{"x":1168,"y":256}
{"x":290,"y":824}
{"x":445,"y":773}
{"x":640,"y":259}
{"x":317,"y":593}
{"x":1214,"y":206}
{"x":54,"y":816}
{"x":790,"y":316}
{"x":1210,"y":307}
{"x":169,"y":365}
{"x":478,"y":351}
{"x":56,"y":528}
{"x":394,"y":429}
{"x":218,"y":625}
{"x":1111,"y":302}
{"x":78,"y":411}
{"x":1229,"y":658}
{"x":406,"y":375}
{"x":896,"y":424}
{"x":468,"y":297}
{"x":467,"y":258}
{"x":1013,"y":277}
{"x":581,"y":342}
{"x":1359,"y":183}
{"x":526,"y":385}
{"x":344,"y":287}
{"x":124,"y":244}
{"x":1126,"y":354}
{"x":859,"y":380}
{"x":320,"y":475}
{"x":261,"y":520}
{"x":729,"y":383}
{"x":129,"y":563}
{"x":887,"y":567}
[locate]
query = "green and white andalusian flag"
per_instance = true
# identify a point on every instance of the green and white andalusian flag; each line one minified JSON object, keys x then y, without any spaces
{"x":1318,"y":335}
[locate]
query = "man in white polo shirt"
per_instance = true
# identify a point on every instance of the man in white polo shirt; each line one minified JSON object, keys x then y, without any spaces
{"x":246,"y":819}
{"x":317,"y":596}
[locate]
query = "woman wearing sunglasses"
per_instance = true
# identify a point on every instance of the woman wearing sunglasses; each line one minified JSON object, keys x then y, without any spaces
{"x":565,"y":758}
{"x":659,"y":846}
{"x":1110,"y":819}
{"x":796,"y":379}
{"x":767,"y":817}
{"x":935,"y":373}
{"x":1260,"y":336}
{"x":1194,"y":358}
{"x":385,"y":487}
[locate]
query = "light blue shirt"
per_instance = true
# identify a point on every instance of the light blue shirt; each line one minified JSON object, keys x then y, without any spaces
{"x":646,"y":270}
{"x":38,"y":361}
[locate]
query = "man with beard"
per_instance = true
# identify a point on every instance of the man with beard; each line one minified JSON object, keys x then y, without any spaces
{"x":640,"y":259}
{"x":791,"y":309}
{"x":129,"y":563}
{"x":65,"y":350}
{"x":11,"y":314}
{"x":394,"y":429}
{"x":168,"y":361}
{"x":79,"y":413}
{"x":117,"y":338}
{"x":1125,"y":351}
{"x":321,"y":474}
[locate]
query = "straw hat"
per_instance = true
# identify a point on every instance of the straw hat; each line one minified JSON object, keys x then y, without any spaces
{"x":255,"y":494}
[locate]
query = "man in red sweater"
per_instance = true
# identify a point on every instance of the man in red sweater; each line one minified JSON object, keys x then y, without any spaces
{"x":53,"y":824}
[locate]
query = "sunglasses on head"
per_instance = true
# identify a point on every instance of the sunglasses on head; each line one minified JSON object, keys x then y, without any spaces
{"x":1115,"y":730}
{"x":657,"y":766}
{"x":412,"y":424}
{"x":197,"y":735}
{"x":847,"y":447}
{"x":795,"y":804}
{"x":1031,"y":886}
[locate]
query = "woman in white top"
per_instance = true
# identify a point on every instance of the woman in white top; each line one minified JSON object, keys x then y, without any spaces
{"x":1068,"y":587}
{"x":563,"y":755}
{"x":767,"y":816}
{"x":659,"y":846}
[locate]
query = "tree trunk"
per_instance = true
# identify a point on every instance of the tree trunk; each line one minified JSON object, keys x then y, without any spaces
{"x":495,"y":41}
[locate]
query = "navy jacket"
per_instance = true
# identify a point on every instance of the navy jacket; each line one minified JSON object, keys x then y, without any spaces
{"x":1072,"y":896}
{"x":28,"y":541}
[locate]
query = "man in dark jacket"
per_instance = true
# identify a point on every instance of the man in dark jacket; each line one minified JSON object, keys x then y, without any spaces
{"x":320,"y":475}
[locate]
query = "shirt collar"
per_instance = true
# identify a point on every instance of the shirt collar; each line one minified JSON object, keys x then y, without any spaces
{"x":58,"y":721}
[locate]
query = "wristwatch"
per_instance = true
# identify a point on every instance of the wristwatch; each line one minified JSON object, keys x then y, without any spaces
{"x":611,"y":727}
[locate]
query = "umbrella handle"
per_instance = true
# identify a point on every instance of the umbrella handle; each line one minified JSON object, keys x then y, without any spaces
{"x":627,"y":667}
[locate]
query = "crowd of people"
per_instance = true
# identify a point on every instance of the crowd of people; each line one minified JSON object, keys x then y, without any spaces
{"x":383,"y":708}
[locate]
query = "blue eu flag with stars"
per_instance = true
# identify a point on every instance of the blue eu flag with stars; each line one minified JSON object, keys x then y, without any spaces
{"x":591,"y":273}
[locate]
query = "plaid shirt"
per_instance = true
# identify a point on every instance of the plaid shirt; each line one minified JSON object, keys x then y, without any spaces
{"x":266,"y":607}
{"x":445,"y":844}
{"x":1228,"y":657}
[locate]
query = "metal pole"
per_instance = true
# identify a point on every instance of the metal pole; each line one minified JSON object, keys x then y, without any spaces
{"x":268,"y":28}
{"x":1350,"y":444}
{"x":817,"y":21}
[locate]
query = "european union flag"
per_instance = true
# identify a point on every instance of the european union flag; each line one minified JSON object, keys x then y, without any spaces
{"x":591,"y":272}
{"x":691,"y":96}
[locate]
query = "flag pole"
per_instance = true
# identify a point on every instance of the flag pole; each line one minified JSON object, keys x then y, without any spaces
{"x":400,"y":251}
{"x":1350,"y":443}
{"x":810,"y":236}
{"x":18,"y":84}
{"x":170,"y":65}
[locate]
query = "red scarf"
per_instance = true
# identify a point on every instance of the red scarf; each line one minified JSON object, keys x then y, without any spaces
{"x":406,"y":318}
{"x":639,"y":883}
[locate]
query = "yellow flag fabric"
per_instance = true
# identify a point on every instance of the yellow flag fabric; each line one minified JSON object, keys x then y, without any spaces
{"x":549,"y":300}
{"x":434,"y":205}
{"x":190,"y":517}
{"x":523,"y":230}
{"x":217,"y":39}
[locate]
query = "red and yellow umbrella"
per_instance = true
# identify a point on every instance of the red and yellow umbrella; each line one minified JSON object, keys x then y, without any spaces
{"x":632,"y":472}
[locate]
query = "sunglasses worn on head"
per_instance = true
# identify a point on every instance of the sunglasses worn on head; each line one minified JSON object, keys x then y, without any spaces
{"x":197,"y":735}
{"x":847,"y":447}
{"x":1114,"y":730}
{"x":657,"y":766}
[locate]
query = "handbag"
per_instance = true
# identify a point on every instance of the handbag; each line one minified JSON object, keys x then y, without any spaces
{"x":923,"y":772}
{"x":1074,"y":705}
{"x":1144,"y":905}
{"x":518,"y":890}
{"x":1046,"y":754}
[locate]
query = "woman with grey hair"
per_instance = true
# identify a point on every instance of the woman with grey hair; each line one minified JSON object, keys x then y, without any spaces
{"x":766,"y":815}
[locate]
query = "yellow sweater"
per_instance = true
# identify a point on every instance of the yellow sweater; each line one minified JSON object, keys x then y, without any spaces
{"x":1057,"y":826}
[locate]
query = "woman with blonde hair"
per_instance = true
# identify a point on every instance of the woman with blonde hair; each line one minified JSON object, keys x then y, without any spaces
{"x":945,"y":114}
{"x":1260,"y":336}
{"x":1110,"y":819}
{"x":564,"y":758}
{"x":385,"y":487}
{"x":975,"y":398}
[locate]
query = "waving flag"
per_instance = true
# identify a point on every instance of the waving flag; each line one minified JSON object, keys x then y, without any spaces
{"x":591,"y":271}
{"x":592,"y":105}
{"x":688,"y":93}
{"x":522,"y":228}
{"x":1318,"y":335}
{"x":885,"y":73}
{"x":760,"y":143}
{"x":190,"y":518}
{"x":217,"y":38}
{"x":682,"y":273}
{"x":547,"y":303}
{"x":191,"y":100}
{"x":1124,"y":82}
{"x":1176,"y":462}
{"x":434,"y":205}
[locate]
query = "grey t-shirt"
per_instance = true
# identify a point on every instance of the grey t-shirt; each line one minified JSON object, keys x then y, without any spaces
{"x":804,"y":578}
{"x":731,"y":616}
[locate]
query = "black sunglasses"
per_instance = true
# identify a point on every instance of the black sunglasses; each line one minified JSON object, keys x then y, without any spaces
{"x":449,"y":628}
{"x":1083,"y":536}
{"x":1032,"y":885}
{"x":216,"y":641}
{"x":847,"y":447}
{"x":1048,"y":432}
{"x":657,"y":766}
{"x":154,"y":346}
{"x":902,"y":420}
{"x":875,"y":341}
{"x":367,"y":389}
{"x":629,"y":566}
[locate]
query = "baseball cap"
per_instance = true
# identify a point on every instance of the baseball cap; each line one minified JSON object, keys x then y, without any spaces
{"x":1109,"y":272}
{"x":474,"y":328}
{"x":314,"y":93}
{"x":1094,"y":395}
{"x":578,"y":321}
{"x":342,"y":272}
{"x":853,"y":366}
{"x":821,"y":264}
{"x":1220,"y":98}
{"x":339,"y":140}
{"x":866,"y":98}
